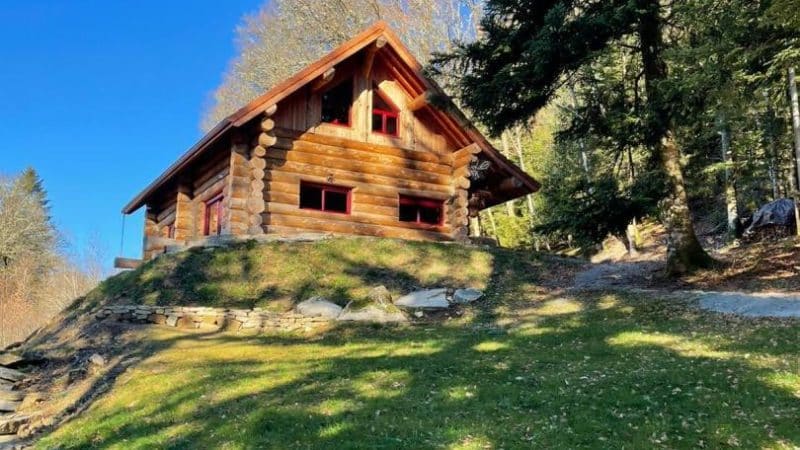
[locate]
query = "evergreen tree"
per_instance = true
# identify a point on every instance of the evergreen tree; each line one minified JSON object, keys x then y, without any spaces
{"x":529,"y":48}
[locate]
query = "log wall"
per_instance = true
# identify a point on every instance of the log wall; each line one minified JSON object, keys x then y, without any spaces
{"x":260,"y":171}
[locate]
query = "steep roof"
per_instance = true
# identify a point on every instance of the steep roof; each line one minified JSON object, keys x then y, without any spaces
{"x":453,"y":118}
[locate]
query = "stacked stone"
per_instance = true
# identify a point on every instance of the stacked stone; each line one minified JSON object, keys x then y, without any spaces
{"x":201,"y":317}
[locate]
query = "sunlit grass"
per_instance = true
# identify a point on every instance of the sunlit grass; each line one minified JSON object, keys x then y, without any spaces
{"x":604,"y":371}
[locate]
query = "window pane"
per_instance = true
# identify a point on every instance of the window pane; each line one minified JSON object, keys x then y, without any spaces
{"x":336,"y":201}
{"x":391,"y":125}
{"x":408,"y":213}
{"x":336,"y":103}
{"x":377,"y":124}
{"x":430,"y":215}
{"x":310,"y":197}
{"x":213,"y":217}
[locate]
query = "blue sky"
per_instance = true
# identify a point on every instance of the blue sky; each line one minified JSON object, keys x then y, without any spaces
{"x":101,"y":96}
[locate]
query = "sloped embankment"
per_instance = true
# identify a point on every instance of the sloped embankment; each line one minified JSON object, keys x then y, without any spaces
{"x":82,"y":357}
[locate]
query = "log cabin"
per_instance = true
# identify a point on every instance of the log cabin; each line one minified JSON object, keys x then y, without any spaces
{"x":358,"y":143}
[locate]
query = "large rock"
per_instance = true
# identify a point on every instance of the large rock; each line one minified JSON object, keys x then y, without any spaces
{"x":429,"y":299}
{"x":10,"y":374}
{"x":10,"y":359}
{"x":9,"y":406}
{"x":318,"y":307}
{"x":468,"y":295}
{"x":377,"y":307}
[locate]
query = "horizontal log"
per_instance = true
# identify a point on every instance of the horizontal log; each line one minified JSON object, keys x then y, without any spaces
{"x":211,"y":170}
{"x":349,"y":178}
{"x":354,"y":165}
{"x":335,"y":141}
{"x":290,"y":182}
{"x":266,"y":140}
{"x":354,"y":217}
{"x":257,"y":185}
{"x":255,"y":230}
{"x":167,"y":219}
{"x":267,"y":124}
{"x":211,"y":183}
{"x":359,"y":195}
{"x":361,"y":155}
{"x":464,"y":161}
{"x":333,"y":226}
{"x":270,"y":111}
{"x":256,"y":205}
{"x":166,"y":212}
{"x":461,"y":183}
{"x":259,"y":151}
{"x":471,"y":149}
{"x":257,"y":163}
{"x":126,"y":263}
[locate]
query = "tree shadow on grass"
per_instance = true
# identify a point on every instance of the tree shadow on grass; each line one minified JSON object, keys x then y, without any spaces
{"x":598,"y":371}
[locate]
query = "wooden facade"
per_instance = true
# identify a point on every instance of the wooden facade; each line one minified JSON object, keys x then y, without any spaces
{"x":294,"y":161}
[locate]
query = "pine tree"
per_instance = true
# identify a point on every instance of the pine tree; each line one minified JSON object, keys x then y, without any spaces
{"x":529,"y":48}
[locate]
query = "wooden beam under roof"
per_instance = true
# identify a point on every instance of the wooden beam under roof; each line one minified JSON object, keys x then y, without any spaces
{"x":323,"y":80}
{"x":370,"y":57}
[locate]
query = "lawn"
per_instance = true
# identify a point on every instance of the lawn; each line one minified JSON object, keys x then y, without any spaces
{"x":530,"y":368}
{"x":277,"y":275}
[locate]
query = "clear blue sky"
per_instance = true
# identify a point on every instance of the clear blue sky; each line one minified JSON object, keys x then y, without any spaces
{"x":101,"y":96}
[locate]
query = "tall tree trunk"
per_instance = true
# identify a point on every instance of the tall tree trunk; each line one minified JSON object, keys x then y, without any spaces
{"x":521,"y":158}
{"x":581,"y":142}
{"x":796,"y":132}
{"x":632,"y":231}
{"x":684,"y":252}
{"x":506,"y":152}
{"x":730,"y":188}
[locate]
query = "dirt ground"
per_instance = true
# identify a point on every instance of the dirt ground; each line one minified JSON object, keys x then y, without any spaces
{"x":770,"y":266}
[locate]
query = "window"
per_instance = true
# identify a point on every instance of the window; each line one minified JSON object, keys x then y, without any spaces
{"x":169,"y":231}
{"x":213,"y":219}
{"x":323,"y":197}
{"x":336,"y":103}
{"x":384,"y":115}
{"x":421,"y":210}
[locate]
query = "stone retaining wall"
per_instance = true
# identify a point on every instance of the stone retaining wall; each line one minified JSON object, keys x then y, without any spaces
{"x":207,"y":317}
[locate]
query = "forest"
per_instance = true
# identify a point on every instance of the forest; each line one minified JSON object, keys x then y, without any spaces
{"x":678,"y":112}
{"x":41,"y":272}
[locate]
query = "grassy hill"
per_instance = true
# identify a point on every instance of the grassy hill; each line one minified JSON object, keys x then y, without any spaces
{"x":277,"y":275}
{"x":529,"y":366}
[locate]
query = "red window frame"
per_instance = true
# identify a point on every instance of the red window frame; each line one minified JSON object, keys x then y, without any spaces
{"x":213,"y":206}
{"x":324,"y":188}
{"x":385,"y":114}
{"x":422,"y":202}
{"x":171,"y":231}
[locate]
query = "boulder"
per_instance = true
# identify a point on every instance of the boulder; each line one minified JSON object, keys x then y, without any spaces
{"x":318,"y":307}
{"x":377,"y":307}
{"x":9,"y":406}
{"x":429,"y":299}
{"x":10,"y":374}
{"x":380,"y":296}
{"x":468,"y":295}
{"x":371,"y":313}
{"x":10,"y":359}
{"x":97,"y":360}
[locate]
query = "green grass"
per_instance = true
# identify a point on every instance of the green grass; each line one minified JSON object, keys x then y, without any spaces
{"x":277,"y":275}
{"x":529,"y":368}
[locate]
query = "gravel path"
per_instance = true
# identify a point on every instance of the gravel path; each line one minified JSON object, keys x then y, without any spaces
{"x":751,"y":305}
{"x":629,"y":275}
